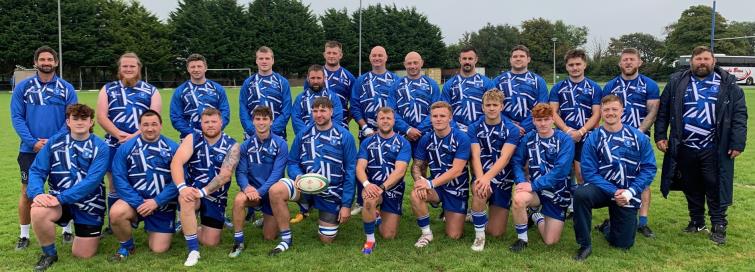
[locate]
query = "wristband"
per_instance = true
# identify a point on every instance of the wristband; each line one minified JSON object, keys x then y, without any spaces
{"x":365,"y":183}
{"x":202,"y":192}
{"x":363,"y":127}
{"x":627,"y":194}
{"x":181,"y":187}
{"x":581,"y":133}
{"x":430,"y":183}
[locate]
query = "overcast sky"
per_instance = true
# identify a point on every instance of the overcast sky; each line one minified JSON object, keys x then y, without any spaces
{"x":604,"y":18}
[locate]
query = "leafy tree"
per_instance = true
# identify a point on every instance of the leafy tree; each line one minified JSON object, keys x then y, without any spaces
{"x":693,"y":29}
{"x":537,"y":33}
{"x":338,"y":26}
{"x":493,"y":44}
{"x":650,"y":48}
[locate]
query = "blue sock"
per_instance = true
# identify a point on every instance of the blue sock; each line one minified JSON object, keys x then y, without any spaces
{"x":191,"y":242}
{"x":643,"y":221}
{"x":286,"y":236}
{"x":50,"y":250}
{"x":369,"y":227}
{"x":128,"y":244}
{"x":480,"y":220}
{"x":378,"y":219}
{"x":238,"y":237}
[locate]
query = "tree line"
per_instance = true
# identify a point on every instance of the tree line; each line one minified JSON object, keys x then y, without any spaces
{"x":96,"y":32}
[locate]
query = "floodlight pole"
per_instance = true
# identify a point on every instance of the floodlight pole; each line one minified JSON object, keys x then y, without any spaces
{"x":713,"y":26}
{"x":360,"y":37}
{"x":60,"y":43}
{"x":554,"y":39}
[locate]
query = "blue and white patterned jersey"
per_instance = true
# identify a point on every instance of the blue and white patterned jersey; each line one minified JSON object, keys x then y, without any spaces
{"x":700,"y":111}
{"x":413,"y":100}
{"x":190,"y":100}
{"x":491,"y":139}
{"x":548,"y":162}
{"x":301,"y":115}
{"x":331,"y":153}
{"x":205,"y":164}
{"x":74,"y":171}
{"x":575,"y":101}
{"x":465,"y":96}
{"x":261,"y":162}
{"x":38,"y":109}
{"x":634,"y":95}
{"x":141,"y":170}
{"x":272,"y":91}
{"x":619,"y":160}
{"x":125,"y":105}
{"x":371,"y":92}
{"x":521,"y":92}
{"x":382,"y":154}
{"x":440,"y":152}
{"x":340,"y":82}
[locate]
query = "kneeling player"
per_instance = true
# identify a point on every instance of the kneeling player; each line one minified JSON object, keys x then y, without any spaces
{"x":547,"y":153}
{"x":262,"y":160}
{"x":74,"y":162}
{"x":325,"y":149}
{"x":212,"y":157}
{"x":383,"y":159}
{"x":141,"y":175}
{"x":445,"y":151}
{"x":494,"y":138}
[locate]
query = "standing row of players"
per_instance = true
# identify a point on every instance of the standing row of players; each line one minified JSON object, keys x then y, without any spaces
{"x":379,"y":102}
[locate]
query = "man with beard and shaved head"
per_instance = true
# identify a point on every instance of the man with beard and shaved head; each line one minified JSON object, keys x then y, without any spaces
{"x":372,"y":91}
{"x":522,"y":89}
{"x":464,"y":91}
{"x":641,"y":97}
{"x":707,"y":113}
{"x":414,"y":95}
{"x":301,"y":116}
{"x":119,"y":105}
{"x":38,"y":111}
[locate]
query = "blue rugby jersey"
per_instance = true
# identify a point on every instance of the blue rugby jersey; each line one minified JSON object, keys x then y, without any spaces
{"x":38,"y":109}
{"x":700,"y":111}
{"x":634,"y":95}
{"x":491,"y":139}
{"x":125,"y":105}
{"x":74,"y":171}
{"x":549,"y":163}
{"x":619,"y":160}
{"x":521,"y":92}
{"x":371,"y":92}
{"x":272,"y":91}
{"x":339,"y":82}
{"x":440,"y":152}
{"x":190,"y":100}
{"x":141,"y":170}
{"x":382,"y":154}
{"x":331,"y":153}
{"x":205,"y":164}
{"x":301,"y":116}
{"x":261,"y":162}
{"x":413,"y":100}
{"x":575,"y":100}
{"x":465,"y":96}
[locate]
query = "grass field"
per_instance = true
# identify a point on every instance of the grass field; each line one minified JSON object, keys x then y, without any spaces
{"x":672,"y":250}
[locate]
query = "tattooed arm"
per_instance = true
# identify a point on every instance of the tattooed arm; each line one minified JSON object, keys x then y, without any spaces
{"x":652,"y":106}
{"x":226,"y":170}
{"x":419,"y":168}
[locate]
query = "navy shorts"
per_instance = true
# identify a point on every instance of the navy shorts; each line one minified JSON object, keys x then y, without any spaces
{"x":552,"y":210}
{"x":393,"y":199}
{"x":159,"y":221}
{"x":501,"y":197}
{"x":453,"y":201}
{"x":24,"y":163}
{"x":85,"y":223}
{"x":212,"y":214}
{"x":578,"y":150}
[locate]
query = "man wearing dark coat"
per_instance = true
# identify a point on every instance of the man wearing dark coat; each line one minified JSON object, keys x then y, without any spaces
{"x":707,"y":116}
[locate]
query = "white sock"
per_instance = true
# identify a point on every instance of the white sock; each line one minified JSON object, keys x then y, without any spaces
{"x":25,"y":231}
{"x":479,"y":234}
{"x":67,"y":229}
{"x":426,"y":230}
{"x":371,"y":237}
{"x":523,"y":237}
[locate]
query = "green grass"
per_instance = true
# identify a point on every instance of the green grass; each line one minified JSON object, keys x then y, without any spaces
{"x":670,"y":251}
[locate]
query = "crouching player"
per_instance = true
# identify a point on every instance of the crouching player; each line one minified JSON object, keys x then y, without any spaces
{"x":212,"y":157}
{"x":547,"y":153}
{"x":325,"y":149}
{"x":73,"y":162}
{"x":494,"y":138}
{"x":141,"y":175}
{"x":383,"y":159}
{"x":262,"y":160}
{"x":446,"y":152}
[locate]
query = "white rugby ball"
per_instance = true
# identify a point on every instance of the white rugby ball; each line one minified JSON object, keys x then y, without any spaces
{"x":312,"y":183}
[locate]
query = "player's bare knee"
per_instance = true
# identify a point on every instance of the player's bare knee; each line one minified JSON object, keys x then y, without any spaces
{"x":388,"y":234}
{"x":83,"y":254}
{"x":551,"y":241}
{"x":453,"y":235}
{"x":496,"y":232}
{"x":159,"y":248}
{"x":39,"y":214}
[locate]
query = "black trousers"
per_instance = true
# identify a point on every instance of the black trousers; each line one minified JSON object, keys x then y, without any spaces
{"x":699,"y":170}
{"x":623,"y":221}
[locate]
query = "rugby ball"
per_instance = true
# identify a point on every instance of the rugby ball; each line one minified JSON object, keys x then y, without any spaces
{"x":312,"y":183}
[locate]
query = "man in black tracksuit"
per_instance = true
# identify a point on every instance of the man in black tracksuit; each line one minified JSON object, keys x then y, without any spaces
{"x":707,"y":114}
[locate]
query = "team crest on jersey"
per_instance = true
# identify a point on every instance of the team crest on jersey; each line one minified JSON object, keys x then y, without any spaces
{"x":87,"y":154}
{"x":552,"y":150}
{"x":164,"y":153}
{"x":219,"y":157}
{"x":394,"y":148}
{"x":335,"y":141}
{"x":628,"y":143}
